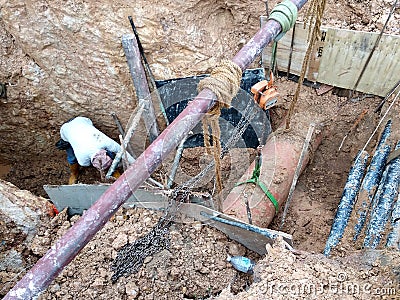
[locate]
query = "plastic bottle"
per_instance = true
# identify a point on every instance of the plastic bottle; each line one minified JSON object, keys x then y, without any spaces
{"x":242,"y":264}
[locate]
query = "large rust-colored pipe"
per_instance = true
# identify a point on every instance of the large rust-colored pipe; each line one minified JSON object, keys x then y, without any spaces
{"x":280,"y":157}
{"x":68,"y":246}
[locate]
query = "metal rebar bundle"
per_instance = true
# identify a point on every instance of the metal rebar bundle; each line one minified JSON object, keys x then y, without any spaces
{"x":347,"y":201}
{"x":371,"y":180}
{"x":393,"y":240}
{"x":383,"y":203}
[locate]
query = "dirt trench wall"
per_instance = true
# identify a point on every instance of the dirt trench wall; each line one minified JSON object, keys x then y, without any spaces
{"x":64,"y":58}
{"x":22,"y":217}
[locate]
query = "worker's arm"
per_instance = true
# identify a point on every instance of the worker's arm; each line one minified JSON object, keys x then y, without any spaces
{"x":114,"y":147}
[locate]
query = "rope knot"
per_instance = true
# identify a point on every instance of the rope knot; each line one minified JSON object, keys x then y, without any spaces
{"x":224,"y":82}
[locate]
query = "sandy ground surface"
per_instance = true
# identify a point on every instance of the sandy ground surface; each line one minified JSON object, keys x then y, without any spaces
{"x":195,"y":266}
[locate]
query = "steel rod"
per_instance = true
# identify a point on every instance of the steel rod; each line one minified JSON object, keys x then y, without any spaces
{"x":138,"y":75}
{"x":175,"y":164}
{"x":265,"y":232}
{"x":291,"y":51}
{"x":387,"y":97}
{"x":136,"y":119}
{"x":129,"y":159}
{"x":122,"y":132}
{"x":298,"y":171}
{"x":68,"y":246}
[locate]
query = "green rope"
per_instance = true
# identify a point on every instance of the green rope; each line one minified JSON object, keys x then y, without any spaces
{"x":285,"y":13}
{"x":255,"y":179}
{"x":273,"y":58}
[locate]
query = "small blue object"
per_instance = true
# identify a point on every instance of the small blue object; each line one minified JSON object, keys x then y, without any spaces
{"x":242,"y":264}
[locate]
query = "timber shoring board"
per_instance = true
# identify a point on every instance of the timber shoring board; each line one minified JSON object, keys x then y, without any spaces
{"x":339,"y":56}
{"x":345,"y":54}
{"x":79,"y":197}
{"x":300,"y":45}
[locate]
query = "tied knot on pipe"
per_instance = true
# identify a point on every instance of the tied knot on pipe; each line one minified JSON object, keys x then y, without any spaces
{"x":224,"y":82}
{"x":285,"y":13}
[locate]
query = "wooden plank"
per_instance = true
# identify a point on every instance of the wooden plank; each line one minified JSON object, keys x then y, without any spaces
{"x":316,"y":56}
{"x":345,"y":54}
{"x":79,"y":197}
{"x":339,"y":56}
{"x":300,"y":45}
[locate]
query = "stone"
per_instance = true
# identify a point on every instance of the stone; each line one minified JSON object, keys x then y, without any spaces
{"x":120,"y":240}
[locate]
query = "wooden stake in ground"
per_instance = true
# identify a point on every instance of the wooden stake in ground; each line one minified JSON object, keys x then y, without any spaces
{"x":298,"y":170}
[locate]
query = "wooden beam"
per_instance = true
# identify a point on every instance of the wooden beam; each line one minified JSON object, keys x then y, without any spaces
{"x":339,"y":56}
{"x":345,"y":53}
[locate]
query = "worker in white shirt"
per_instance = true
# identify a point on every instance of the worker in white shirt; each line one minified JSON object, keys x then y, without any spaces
{"x":86,"y":145}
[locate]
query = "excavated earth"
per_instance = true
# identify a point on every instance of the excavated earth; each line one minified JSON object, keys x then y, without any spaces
{"x":64,"y":58}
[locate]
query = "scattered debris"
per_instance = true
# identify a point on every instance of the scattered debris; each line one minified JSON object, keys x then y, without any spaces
{"x":324,"y":88}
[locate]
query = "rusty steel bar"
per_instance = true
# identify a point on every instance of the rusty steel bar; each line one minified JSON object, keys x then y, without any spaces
{"x":68,"y":246}
{"x":132,"y":54}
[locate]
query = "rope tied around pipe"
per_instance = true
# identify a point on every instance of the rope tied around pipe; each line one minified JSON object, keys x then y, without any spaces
{"x":224,"y":82}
